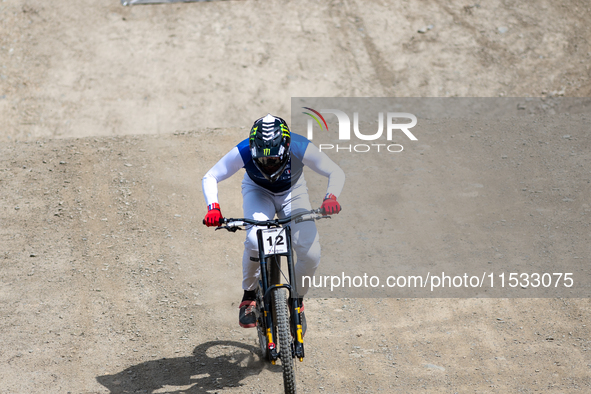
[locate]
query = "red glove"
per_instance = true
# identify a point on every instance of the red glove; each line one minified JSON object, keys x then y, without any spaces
{"x":214,"y":215}
{"x":330,"y":204}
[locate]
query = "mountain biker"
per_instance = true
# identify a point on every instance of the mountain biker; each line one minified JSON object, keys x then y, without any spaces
{"x":274,"y":183}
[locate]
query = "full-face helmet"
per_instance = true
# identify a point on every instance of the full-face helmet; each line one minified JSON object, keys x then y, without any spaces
{"x":269,"y":146}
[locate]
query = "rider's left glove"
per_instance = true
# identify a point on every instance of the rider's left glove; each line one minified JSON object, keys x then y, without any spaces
{"x":330,"y":205}
{"x":214,"y":215}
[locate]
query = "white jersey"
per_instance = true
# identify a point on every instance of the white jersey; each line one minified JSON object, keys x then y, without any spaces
{"x":303,"y":153}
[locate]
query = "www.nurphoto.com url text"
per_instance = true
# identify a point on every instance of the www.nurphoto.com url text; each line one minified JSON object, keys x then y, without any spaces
{"x":443,"y":281}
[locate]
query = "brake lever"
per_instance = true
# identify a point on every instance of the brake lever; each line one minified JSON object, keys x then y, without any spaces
{"x":312,"y":218}
{"x":231,"y":229}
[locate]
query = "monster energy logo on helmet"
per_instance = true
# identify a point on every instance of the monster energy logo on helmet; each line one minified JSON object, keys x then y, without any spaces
{"x":269,"y":146}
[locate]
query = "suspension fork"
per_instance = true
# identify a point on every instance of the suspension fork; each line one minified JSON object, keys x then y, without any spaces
{"x":268,"y":316}
{"x":294,"y":308}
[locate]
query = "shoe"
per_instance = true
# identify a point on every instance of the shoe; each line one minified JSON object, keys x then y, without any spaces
{"x":246,"y":317}
{"x":302,"y":320}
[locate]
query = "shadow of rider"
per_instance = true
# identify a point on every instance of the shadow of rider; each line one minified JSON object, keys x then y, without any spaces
{"x":213,"y":366}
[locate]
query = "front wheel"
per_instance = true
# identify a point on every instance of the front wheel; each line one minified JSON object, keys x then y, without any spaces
{"x":284,"y":334}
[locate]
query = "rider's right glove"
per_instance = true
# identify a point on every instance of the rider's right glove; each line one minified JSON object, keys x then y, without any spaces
{"x":330,"y":204}
{"x":214,"y":215}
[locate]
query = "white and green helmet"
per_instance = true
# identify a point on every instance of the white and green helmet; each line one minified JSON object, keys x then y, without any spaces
{"x":269,"y":146}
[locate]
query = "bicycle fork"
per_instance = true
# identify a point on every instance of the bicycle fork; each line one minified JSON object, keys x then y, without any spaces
{"x":294,"y":308}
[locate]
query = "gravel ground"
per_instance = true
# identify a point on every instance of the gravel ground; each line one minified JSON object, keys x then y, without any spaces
{"x":110,"y":115}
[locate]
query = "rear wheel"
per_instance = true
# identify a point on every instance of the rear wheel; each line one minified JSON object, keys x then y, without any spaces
{"x":285,"y":343}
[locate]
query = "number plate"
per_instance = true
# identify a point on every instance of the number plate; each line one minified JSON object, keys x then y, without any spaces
{"x":274,"y":241}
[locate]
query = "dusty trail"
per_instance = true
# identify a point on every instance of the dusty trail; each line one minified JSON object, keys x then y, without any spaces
{"x":109,"y":116}
{"x":128,"y":292}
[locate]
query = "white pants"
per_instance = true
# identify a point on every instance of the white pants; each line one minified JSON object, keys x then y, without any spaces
{"x":260,"y":204}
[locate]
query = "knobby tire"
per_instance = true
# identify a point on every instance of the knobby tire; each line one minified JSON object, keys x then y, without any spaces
{"x":284,"y":334}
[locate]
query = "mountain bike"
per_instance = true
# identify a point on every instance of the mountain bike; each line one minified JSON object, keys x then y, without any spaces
{"x":280,"y":337}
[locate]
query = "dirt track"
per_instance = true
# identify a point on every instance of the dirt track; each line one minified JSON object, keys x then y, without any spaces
{"x":95,"y":68}
{"x":110,"y":284}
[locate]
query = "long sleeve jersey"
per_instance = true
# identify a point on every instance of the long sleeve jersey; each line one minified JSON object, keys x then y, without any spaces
{"x":303,"y":153}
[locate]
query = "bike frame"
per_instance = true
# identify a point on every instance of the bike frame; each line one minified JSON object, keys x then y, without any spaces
{"x":268,"y":288}
{"x":271,"y":313}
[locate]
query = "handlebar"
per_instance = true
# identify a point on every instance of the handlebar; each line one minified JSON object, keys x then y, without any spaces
{"x":237,"y":224}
